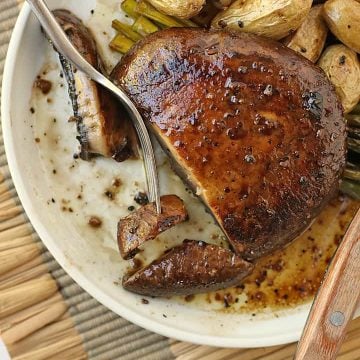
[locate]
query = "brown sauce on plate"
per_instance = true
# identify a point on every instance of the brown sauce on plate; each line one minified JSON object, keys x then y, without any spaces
{"x":291,"y":276}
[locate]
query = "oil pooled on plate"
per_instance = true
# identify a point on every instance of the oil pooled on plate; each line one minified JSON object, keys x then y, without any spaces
{"x":291,"y":276}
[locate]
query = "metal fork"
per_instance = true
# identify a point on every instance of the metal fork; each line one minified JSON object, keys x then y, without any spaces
{"x":65,"y":47}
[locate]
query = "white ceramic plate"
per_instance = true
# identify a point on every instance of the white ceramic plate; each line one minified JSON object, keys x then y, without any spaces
{"x":92,"y":262}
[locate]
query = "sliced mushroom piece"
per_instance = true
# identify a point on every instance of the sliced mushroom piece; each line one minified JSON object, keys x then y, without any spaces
{"x":102,"y":123}
{"x":145,"y":224}
{"x":190,"y":268}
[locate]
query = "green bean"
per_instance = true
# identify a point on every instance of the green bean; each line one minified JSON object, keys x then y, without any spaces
{"x":354,"y":132}
{"x":352,"y":174}
{"x":353,"y":166}
{"x":161,"y":26}
{"x":129,"y":6}
{"x":188,"y":22}
{"x":144,"y":26}
{"x":353,"y":144}
{"x":150,"y":12}
{"x":350,"y":188}
{"x":353,"y":120}
{"x":121,"y":43}
{"x":126,"y":30}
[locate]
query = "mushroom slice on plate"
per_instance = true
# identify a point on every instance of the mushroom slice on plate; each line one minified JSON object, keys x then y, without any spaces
{"x":190,"y":268}
{"x":102,"y":124}
{"x":145,"y":224}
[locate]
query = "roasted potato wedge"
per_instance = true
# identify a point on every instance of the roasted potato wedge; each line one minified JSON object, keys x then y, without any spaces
{"x":342,"y":66}
{"x":309,"y":39}
{"x":271,"y":18}
{"x":183,"y":9}
{"x":343,"y":19}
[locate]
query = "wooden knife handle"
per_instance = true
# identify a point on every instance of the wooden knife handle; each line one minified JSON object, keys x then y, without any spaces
{"x":335,"y":302}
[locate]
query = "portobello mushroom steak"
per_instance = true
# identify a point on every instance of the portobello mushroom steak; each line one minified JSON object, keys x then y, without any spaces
{"x":253,"y":128}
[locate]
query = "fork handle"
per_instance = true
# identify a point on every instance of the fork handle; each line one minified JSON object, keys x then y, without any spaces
{"x":335,"y":302}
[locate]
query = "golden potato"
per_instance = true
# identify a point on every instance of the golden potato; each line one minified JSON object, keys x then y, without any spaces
{"x":310,"y":37}
{"x":271,"y":18}
{"x":343,"y":19}
{"x":342,"y":66}
{"x":184,"y":9}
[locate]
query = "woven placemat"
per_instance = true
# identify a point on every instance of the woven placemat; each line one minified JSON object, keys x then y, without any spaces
{"x":45,"y":315}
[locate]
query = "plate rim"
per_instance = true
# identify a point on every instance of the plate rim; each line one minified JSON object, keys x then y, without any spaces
{"x":130,"y":315}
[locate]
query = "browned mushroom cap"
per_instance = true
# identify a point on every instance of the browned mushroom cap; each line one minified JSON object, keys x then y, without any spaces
{"x":193,"y":267}
{"x":233,"y":133}
{"x":145,"y":224}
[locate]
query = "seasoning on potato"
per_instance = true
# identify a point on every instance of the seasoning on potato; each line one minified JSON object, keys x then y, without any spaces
{"x":342,"y":66}
{"x":271,"y":18}
{"x":310,"y":37}
{"x":183,"y":9}
{"x":343,"y":19}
